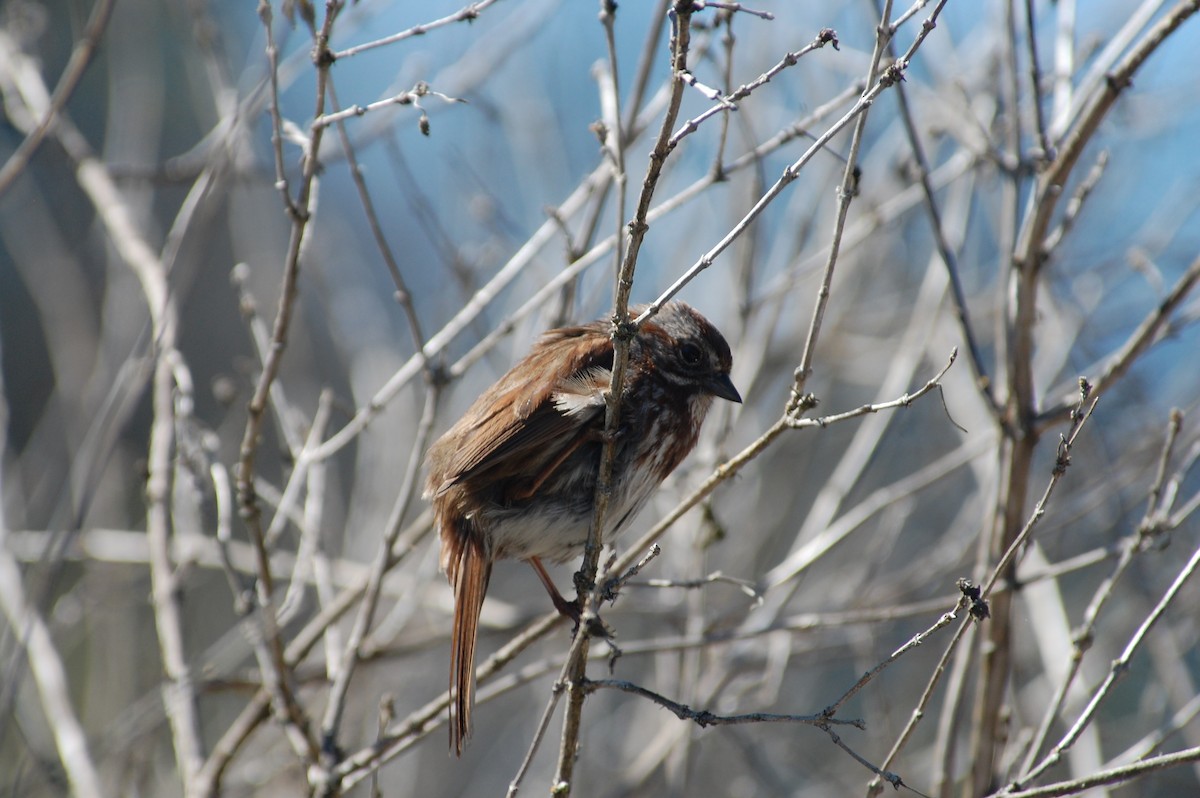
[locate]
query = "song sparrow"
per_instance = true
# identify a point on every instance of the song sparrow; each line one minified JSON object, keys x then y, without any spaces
{"x":516,"y":476}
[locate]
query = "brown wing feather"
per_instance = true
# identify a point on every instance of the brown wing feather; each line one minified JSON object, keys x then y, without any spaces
{"x":516,"y":426}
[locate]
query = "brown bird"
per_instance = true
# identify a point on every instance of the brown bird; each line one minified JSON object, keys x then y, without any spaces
{"x":516,"y":476}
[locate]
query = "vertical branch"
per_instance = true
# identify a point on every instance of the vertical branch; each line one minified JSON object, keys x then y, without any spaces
{"x":1015,"y":452}
{"x":645,"y":66}
{"x":267,"y":16}
{"x":1035,"y":83}
{"x":680,"y":43}
{"x":983,"y":382}
{"x":846,"y":193}
{"x":179,"y":697}
{"x":276,"y":672}
{"x":576,"y":666}
{"x":342,"y":668}
{"x":615,"y":138}
{"x":725,"y":20}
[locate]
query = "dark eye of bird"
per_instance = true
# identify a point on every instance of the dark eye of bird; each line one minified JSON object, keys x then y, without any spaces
{"x":690,"y":353}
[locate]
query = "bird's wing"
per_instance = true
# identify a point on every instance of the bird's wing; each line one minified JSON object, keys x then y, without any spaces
{"x":526,"y":425}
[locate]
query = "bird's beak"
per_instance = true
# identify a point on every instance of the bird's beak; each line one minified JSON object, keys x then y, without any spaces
{"x":722,"y":386}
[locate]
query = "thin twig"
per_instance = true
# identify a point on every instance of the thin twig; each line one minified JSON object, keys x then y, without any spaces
{"x":1106,"y":777}
{"x":745,"y":585}
{"x":267,"y":16}
{"x":703,"y":718}
{"x":728,"y":102}
{"x":949,"y":259}
{"x":1082,"y":639}
{"x":905,"y":400}
{"x":916,"y":640}
{"x":1119,"y":666}
{"x":411,"y":97}
{"x":468,"y":13}
{"x":1063,"y":460}
{"x":1075,"y":204}
{"x":700,"y":5}
{"x":1140,"y":340}
{"x":922,"y":704}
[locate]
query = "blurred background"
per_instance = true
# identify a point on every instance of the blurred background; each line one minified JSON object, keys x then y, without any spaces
{"x":145,"y":248}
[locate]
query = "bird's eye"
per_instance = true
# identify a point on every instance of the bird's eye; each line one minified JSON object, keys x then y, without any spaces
{"x":690,"y":353}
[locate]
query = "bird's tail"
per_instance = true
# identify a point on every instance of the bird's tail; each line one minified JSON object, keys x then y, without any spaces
{"x":468,"y":570}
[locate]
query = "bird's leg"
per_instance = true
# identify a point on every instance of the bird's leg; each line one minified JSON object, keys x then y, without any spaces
{"x":569,"y":609}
